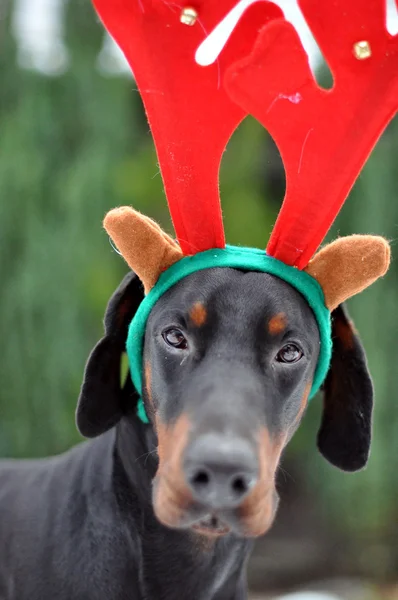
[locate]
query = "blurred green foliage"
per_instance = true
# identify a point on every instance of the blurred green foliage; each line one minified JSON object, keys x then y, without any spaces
{"x":76,"y":145}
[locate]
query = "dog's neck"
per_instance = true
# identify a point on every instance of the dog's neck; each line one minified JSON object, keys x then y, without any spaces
{"x":173,"y":564}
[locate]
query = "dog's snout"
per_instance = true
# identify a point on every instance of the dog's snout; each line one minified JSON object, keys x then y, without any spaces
{"x":220,"y":472}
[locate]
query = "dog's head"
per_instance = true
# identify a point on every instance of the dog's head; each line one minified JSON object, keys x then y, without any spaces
{"x":229,"y":360}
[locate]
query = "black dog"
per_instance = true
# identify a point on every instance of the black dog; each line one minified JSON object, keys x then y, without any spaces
{"x":168,"y":510}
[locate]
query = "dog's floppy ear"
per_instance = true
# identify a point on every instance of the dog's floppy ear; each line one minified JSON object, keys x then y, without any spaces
{"x":100,"y":404}
{"x":344,"y":268}
{"x":345,"y":433}
{"x":148,"y":251}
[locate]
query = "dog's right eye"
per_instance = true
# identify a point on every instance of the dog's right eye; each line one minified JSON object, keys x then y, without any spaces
{"x":175,"y":338}
{"x":289,"y":354}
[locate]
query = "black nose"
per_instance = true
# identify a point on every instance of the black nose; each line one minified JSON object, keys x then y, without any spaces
{"x":220,"y":471}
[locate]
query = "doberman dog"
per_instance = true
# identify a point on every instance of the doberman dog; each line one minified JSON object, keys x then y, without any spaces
{"x":169,"y":510}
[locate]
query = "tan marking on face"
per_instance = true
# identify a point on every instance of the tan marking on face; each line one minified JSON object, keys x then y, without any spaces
{"x":148,"y":386}
{"x":172,"y":495}
{"x":303,"y":404}
{"x":198,"y":314}
{"x":277,"y":323}
{"x":259,"y":508}
{"x":208,"y":534}
{"x":345,"y":332}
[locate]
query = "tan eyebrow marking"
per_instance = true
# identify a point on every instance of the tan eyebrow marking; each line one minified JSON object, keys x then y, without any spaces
{"x":277,"y":323}
{"x":198,"y":314}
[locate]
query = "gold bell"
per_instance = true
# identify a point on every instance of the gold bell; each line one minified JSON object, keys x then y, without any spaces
{"x":362,"y":50}
{"x":188,"y":16}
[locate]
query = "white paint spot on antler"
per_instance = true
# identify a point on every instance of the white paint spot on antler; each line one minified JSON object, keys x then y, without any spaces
{"x":391,"y":17}
{"x":210,"y":49}
{"x":293,"y":98}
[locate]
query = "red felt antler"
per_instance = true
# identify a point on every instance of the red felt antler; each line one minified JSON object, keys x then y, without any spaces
{"x":190,"y":114}
{"x":324,"y":136}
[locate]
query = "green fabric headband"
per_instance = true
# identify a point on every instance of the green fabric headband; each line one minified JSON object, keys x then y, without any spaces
{"x":249,"y":259}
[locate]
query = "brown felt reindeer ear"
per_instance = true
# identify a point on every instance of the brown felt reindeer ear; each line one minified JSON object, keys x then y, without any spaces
{"x":349,"y":265}
{"x":344,"y":268}
{"x":146,"y":248}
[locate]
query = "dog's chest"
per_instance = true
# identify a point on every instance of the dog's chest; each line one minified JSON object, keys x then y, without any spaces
{"x":180,"y":571}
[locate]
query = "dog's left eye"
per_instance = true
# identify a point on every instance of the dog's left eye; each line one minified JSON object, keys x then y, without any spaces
{"x":289,"y":354}
{"x":174,"y":337}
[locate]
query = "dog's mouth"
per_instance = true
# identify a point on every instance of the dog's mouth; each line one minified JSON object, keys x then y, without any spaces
{"x":211,"y":525}
{"x":178,"y":511}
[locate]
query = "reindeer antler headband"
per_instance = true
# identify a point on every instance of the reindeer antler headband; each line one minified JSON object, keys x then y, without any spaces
{"x":255,"y":64}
